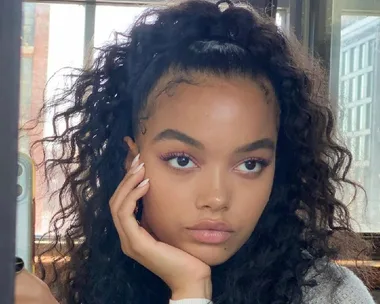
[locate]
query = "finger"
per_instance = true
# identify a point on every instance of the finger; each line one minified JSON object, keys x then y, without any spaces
{"x":123,"y":197}
{"x":126,"y":224}
{"x":127,"y":185}
{"x":130,"y":171}
{"x":130,"y":182}
{"x":125,"y":214}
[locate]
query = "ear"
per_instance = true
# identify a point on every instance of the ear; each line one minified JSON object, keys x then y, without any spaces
{"x":133,"y":151}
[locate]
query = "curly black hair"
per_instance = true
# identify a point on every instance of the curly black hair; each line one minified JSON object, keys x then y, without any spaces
{"x":304,"y":221}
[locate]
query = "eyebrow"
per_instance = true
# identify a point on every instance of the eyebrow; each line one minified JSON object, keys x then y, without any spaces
{"x":265,"y":143}
{"x":177,"y":135}
{"x":171,"y":134}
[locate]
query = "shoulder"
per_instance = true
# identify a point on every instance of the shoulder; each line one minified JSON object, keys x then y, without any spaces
{"x":352,"y":289}
{"x":337,"y":285}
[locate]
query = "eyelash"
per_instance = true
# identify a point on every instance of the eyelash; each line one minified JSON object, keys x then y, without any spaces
{"x":169,"y":156}
{"x":262,"y":162}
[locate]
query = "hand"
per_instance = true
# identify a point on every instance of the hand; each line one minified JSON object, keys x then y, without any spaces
{"x":31,"y":290}
{"x":185,"y":275}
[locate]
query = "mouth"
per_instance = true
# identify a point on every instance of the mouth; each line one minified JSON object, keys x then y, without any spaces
{"x":211,"y":232}
{"x":210,"y":236}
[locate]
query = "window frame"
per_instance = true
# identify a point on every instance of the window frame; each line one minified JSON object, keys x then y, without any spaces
{"x":10,"y":44}
{"x":332,"y":34}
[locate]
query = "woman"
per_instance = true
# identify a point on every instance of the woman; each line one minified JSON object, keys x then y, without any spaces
{"x":200,"y":165}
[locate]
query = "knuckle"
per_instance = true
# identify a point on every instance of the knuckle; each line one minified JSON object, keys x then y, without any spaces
{"x":113,"y":212}
{"x":122,"y":212}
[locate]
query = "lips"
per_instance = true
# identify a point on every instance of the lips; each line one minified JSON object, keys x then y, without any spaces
{"x":212,"y":225}
{"x":211,"y":232}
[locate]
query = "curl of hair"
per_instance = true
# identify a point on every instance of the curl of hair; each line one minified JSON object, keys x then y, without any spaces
{"x":303,"y":219}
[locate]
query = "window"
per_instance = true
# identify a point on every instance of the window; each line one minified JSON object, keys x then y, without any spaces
{"x":361,"y":87}
{"x":355,"y":89}
{"x":361,"y":149}
{"x":112,"y":19}
{"x":363,"y":110}
{"x":354,"y":119}
{"x":346,"y":91}
{"x":352,"y":60}
{"x":282,"y":18}
{"x":349,"y":121}
{"x":361,"y":56}
{"x":368,"y":113}
{"x":345,"y":63}
{"x":364,"y":98}
{"x":28,"y":24}
{"x":358,"y":118}
{"x":357,"y":148}
{"x":356,"y":59}
{"x":350,"y":89}
{"x":49,"y":45}
{"x":371,"y":52}
{"x":367,"y":147}
{"x":369,"y":84}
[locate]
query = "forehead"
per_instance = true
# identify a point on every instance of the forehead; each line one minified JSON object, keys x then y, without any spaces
{"x":212,"y":108}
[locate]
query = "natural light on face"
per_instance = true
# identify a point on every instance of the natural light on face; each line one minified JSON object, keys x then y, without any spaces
{"x":209,"y":151}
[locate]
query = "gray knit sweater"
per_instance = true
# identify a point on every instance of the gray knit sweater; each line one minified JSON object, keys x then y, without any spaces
{"x":351,"y":291}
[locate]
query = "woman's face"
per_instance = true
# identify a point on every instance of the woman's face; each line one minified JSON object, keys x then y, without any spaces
{"x":209,"y":151}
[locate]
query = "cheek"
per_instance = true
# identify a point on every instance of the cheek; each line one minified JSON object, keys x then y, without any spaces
{"x":166,"y":201}
{"x":252,"y":201}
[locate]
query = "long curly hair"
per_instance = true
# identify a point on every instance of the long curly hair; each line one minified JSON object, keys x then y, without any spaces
{"x":304,"y":221}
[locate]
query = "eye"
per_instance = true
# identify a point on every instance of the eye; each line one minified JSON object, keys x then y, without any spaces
{"x":252,"y":166}
{"x":179,"y":161}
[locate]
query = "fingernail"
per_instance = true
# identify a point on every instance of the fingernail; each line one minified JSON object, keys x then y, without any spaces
{"x":138,"y":168}
{"x":143,"y":183}
{"x":135,"y":160}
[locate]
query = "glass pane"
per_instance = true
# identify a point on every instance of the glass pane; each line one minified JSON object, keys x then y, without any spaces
{"x":112,"y":19}
{"x":282,"y":18}
{"x":49,"y":44}
{"x":359,"y":104}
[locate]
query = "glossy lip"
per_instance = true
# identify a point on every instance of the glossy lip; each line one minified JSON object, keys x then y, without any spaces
{"x":211,"y":232}
{"x":212,"y":225}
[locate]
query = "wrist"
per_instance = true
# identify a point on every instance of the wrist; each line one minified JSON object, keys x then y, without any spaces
{"x":201,"y":289}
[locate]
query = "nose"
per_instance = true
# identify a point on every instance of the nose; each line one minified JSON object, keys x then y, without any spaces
{"x":215,"y":193}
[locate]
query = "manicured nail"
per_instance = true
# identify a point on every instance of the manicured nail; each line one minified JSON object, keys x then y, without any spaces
{"x":138,"y":168}
{"x":135,"y":160}
{"x":143,"y":183}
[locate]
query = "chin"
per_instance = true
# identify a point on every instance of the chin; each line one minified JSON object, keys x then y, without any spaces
{"x":213,"y":260}
{"x":210,"y":255}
